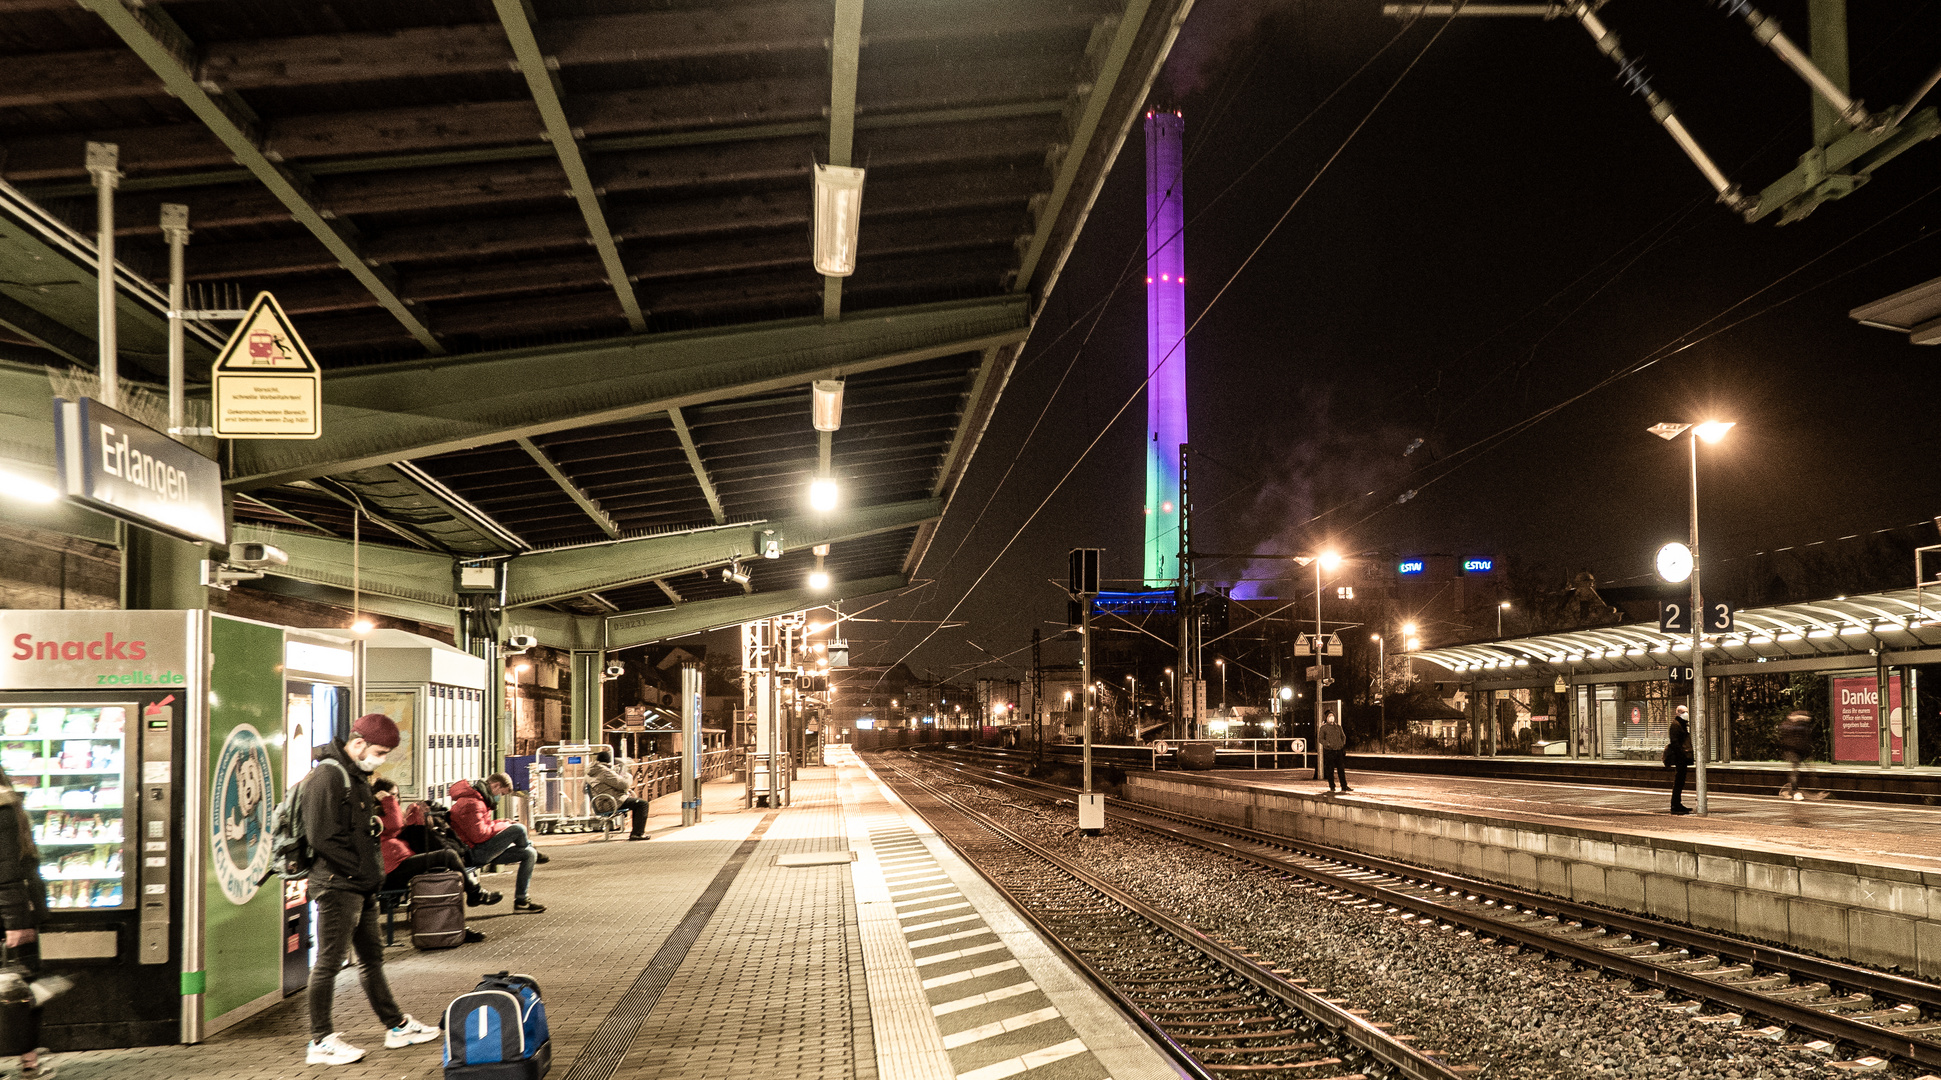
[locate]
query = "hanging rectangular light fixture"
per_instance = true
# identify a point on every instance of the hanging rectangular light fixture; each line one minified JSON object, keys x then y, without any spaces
{"x":825,"y":408}
{"x":838,"y":217}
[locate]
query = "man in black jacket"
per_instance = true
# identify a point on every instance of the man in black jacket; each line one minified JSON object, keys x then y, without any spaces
{"x":1678,"y":758}
{"x":341,"y":825}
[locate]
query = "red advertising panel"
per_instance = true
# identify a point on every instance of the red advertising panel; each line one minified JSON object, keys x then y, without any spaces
{"x":1856,"y":725}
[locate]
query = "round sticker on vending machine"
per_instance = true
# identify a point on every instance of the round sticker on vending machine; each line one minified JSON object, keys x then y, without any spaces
{"x":239,"y":814}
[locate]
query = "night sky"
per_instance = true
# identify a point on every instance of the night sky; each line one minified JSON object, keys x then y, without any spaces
{"x":1506,"y":231}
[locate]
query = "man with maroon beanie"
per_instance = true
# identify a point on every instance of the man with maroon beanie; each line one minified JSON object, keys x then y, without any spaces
{"x":341,"y":825}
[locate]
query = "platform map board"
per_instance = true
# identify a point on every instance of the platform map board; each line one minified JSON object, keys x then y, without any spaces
{"x":266,"y":385}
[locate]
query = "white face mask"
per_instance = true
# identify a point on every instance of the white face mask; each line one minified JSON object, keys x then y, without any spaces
{"x":372,"y":763}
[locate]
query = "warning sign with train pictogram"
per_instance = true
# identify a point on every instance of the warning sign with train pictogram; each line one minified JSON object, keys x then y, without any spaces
{"x":266,"y":385}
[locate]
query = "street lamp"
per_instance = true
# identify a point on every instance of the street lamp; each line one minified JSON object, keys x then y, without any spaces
{"x":1328,"y":560}
{"x":1500,"y":609}
{"x":1711,"y":431}
{"x":1222,"y":665}
{"x":1381,"y":683}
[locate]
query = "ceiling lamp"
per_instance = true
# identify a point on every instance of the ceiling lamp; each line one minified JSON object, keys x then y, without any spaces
{"x":825,"y":404}
{"x":822,"y":494}
{"x":838,"y":216}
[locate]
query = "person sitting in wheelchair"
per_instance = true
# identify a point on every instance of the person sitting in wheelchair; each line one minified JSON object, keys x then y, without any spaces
{"x":609,"y":787}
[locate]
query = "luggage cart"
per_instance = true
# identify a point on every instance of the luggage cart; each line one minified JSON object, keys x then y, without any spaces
{"x":560,"y":800}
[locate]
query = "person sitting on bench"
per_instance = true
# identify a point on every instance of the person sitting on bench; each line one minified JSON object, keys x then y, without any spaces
{"x":492,"y":841}
{"x":604,"y":779}
{"x":401,"y":864}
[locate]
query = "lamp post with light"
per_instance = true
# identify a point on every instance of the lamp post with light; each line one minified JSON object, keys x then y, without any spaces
{"x":1669,"y":566}
{"x":1500,"y":609}
{"x":1381,"y":684}
{"x":1222,"y":665}
{"x":1327,"y":560}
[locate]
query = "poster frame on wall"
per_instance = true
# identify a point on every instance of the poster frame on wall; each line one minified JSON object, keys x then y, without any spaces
{"x":1854,"y":718}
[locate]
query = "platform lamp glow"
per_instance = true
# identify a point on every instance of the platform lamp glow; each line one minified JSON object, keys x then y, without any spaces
{"x":1711,"y":431}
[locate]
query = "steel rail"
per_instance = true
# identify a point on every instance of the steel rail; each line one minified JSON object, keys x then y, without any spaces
{"x":1359,"y":1032}
{"x":1831,"y":1026}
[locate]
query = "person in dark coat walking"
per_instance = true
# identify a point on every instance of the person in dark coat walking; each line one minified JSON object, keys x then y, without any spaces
{"x":342,"y":825}
{"x":1795,"y":738}
{"x":23,"y":904}
{"x":1678,"y":758}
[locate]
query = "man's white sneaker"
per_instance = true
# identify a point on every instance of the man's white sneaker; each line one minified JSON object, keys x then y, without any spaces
{"x":408,"y":1033}
{"x":1798,"y":797}
{"x":333,"y":1050}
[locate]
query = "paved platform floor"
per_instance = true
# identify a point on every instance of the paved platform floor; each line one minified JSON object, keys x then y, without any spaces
{"x":1871,"y":833}
{"x":713,"y":952}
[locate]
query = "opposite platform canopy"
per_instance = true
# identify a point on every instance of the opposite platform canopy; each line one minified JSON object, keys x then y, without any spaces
{"x":1848,"y":626}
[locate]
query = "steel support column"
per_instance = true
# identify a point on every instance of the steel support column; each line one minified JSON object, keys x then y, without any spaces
{"x":589,"y":695}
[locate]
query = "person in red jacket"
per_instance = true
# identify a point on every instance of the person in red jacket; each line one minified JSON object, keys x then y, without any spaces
{"x":401,"y":863}
{"x":492,"y":841}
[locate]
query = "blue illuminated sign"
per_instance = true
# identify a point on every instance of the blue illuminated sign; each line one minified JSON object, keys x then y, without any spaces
{"x":1410,"y":566}
{"x":1478,"y":566}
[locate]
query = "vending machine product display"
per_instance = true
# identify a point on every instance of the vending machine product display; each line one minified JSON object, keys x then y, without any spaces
{"x":70,"y":763}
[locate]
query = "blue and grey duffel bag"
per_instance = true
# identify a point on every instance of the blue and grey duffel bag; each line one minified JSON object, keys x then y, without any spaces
{"x":498,"y":1031}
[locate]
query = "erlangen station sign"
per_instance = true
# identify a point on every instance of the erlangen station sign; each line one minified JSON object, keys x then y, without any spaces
{"x":115,"y":464}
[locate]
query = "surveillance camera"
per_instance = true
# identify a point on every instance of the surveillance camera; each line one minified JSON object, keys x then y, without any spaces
{"x":254,"y":555}
{"x":614,"y":671}
{"x":521,"y":642}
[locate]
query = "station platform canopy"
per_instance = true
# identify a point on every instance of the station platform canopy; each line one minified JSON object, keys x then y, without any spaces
{"x":1904,"y":625}
{"x":554,"y":259}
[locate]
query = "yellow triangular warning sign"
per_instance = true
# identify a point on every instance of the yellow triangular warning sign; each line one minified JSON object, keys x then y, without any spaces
{"x":265,"y":341}
{"x":265,"y":384}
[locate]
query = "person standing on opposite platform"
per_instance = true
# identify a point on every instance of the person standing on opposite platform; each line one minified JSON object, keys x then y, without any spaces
{"x":1795,"y":737}
{"x":1334,"y":749}
{"x":1678,"y":758}
{"x":23,"y":903}
{"x":341,"y":824}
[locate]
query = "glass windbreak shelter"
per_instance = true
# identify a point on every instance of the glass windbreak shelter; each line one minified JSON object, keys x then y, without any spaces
{"x":1854,"y":664}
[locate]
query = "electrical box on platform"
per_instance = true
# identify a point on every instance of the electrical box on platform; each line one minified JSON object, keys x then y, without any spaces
{"x":1091,"y":812}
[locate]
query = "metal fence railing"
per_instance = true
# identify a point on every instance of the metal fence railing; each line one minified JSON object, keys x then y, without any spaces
{"x":654,"y":777}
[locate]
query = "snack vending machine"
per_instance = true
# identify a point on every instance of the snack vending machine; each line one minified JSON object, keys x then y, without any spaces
{"x":94,"y":710}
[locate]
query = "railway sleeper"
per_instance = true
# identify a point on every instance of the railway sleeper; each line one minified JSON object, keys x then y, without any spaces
{"x":1806,"y":993}
{"x":1848,"y":1003}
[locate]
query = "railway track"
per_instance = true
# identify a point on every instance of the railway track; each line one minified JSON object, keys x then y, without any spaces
{"x":1220,"y":1010}
{"x":1716,"y":979}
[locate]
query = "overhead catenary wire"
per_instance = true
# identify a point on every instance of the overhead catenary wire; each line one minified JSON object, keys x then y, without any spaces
{"x":1211,"y":304}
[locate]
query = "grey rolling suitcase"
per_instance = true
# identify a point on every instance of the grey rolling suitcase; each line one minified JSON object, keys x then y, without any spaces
{"x":438,"y":909}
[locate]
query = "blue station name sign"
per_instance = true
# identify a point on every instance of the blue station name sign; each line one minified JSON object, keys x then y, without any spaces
{"x":1411,"y":566}
{"x":119,"y":466}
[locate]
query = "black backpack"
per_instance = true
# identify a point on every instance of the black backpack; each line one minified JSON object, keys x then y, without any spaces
{"x":290,"y":853}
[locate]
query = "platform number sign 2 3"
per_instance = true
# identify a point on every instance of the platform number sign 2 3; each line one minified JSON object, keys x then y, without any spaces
{"x":1675,"y":617}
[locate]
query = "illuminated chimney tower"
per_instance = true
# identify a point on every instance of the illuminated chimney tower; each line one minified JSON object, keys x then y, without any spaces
{"x":1165,"y":343}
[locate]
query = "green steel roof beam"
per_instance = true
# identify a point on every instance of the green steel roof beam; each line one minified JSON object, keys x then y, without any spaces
{"x":845,"y":45}
{"x":639,"y":628}
{"x":1110,"y":68}
{"x":700,"y":467}
{"x":162,"y":45}
{"x":422,"y":577}
{"x":431,"y":159}
{"x":572,"y":490}
{"x":543,"y":577}
{"x":516,"y":17}
{"x":384,"y":413}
